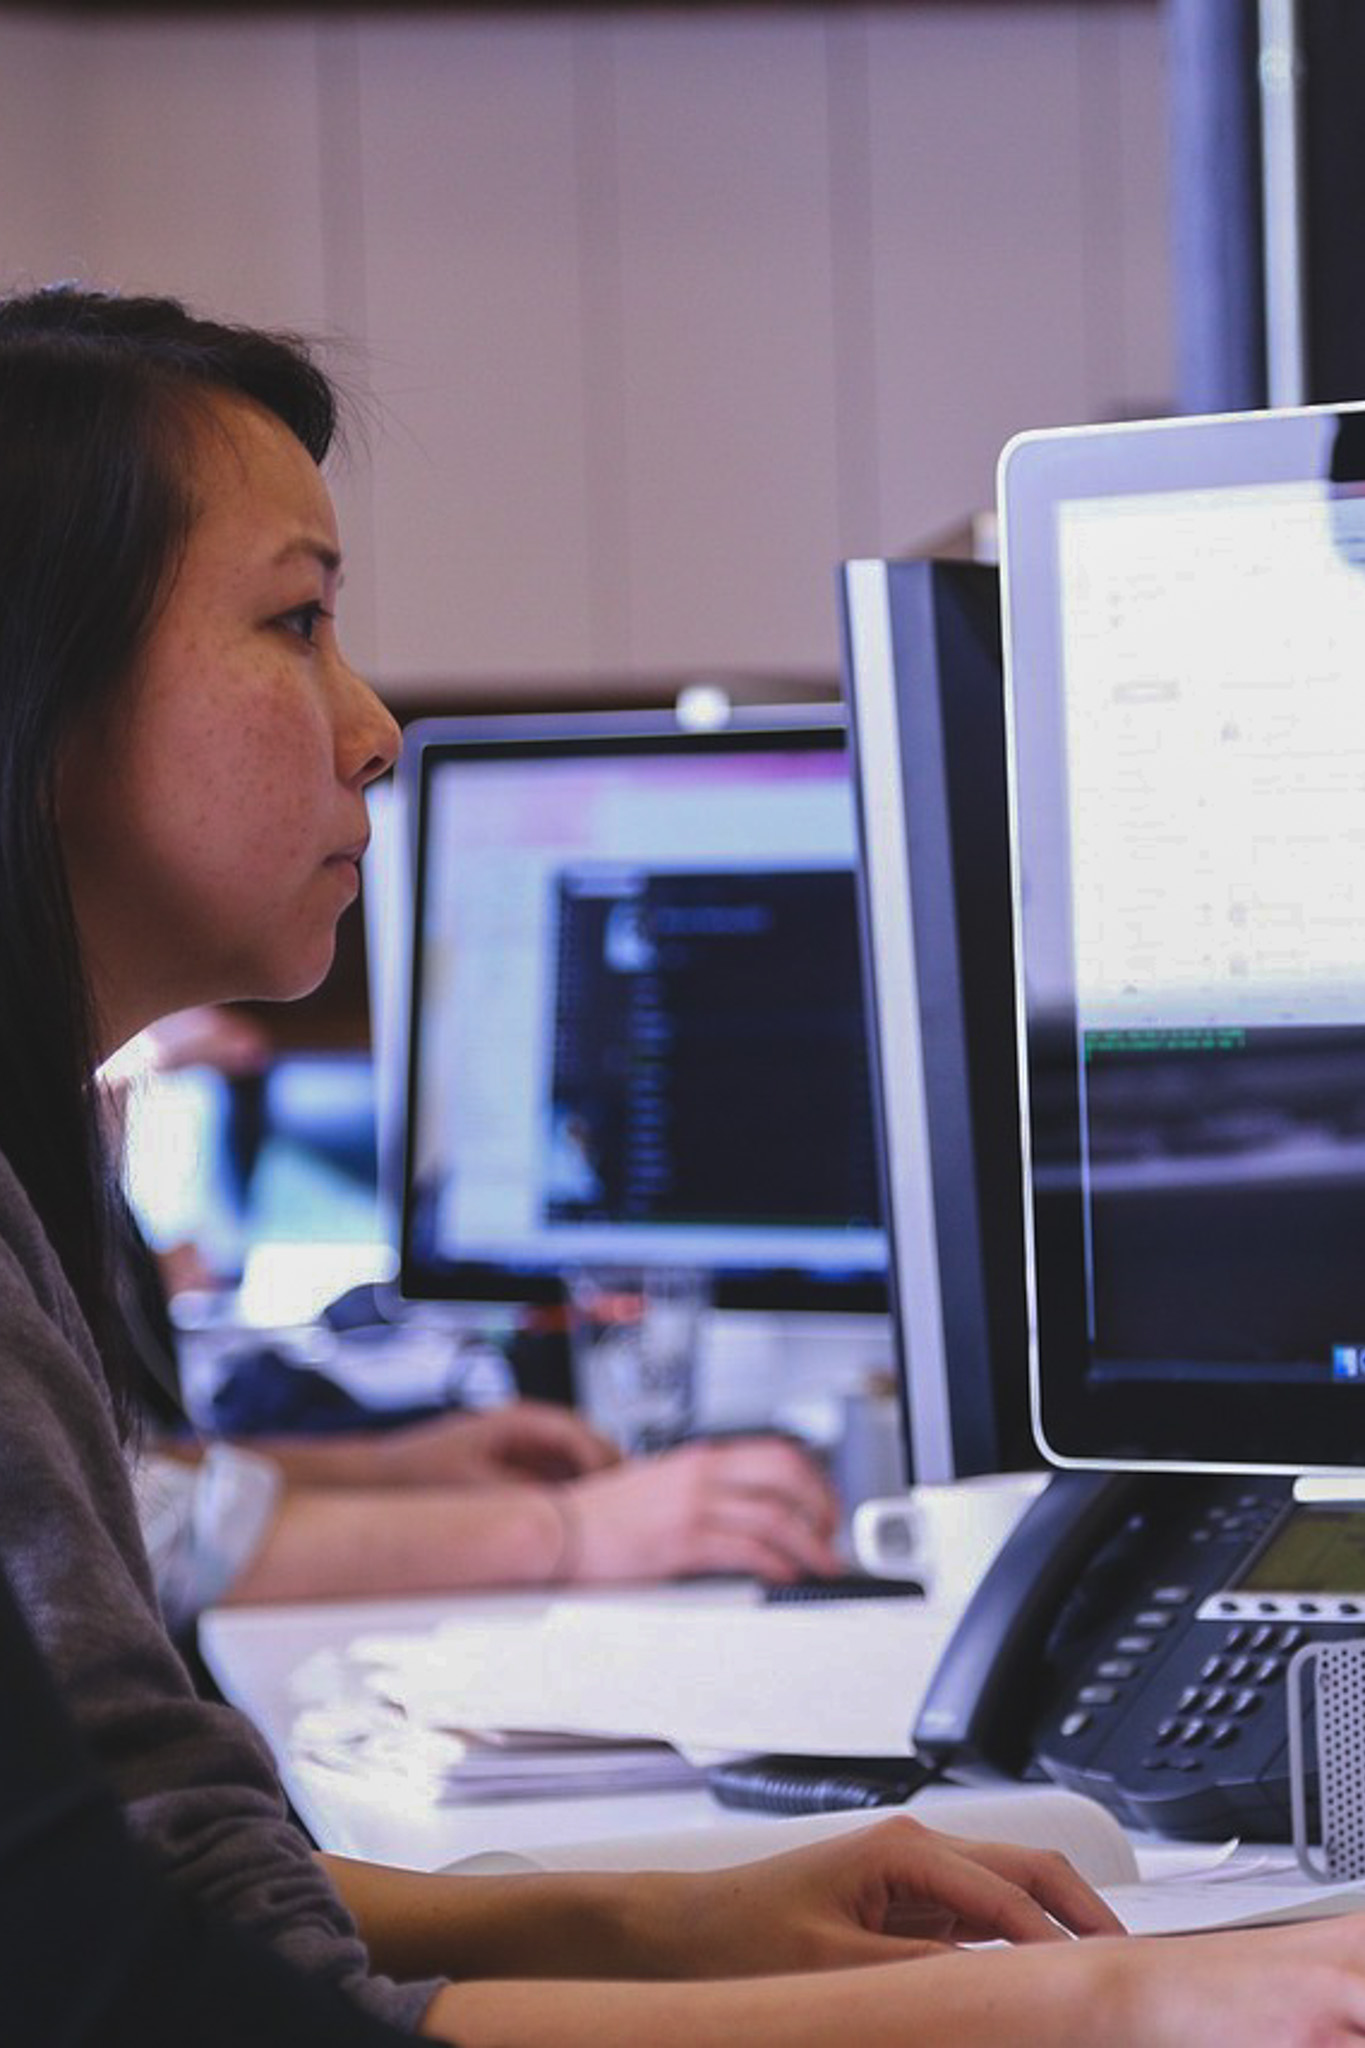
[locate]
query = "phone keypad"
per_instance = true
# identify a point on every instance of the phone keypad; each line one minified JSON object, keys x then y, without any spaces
{"x":1231,"y":1692}
{"x":1213,"y":1711}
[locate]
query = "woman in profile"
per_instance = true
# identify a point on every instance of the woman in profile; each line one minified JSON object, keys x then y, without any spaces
{"x":184,"y":754}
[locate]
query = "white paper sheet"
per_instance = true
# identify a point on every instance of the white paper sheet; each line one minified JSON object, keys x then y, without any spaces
{"x":1180,"y":1906}
{"x":828,"y":1680}
{"x":1045,"y":1819}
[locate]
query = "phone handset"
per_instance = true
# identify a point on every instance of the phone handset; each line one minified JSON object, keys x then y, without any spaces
{"x":979,"y":1710}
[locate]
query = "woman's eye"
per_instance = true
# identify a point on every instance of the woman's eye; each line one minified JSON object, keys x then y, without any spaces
{"x":303,"y":620}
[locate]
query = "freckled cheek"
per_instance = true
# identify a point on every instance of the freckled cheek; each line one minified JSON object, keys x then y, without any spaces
{"x":260,"y":792}
{"x":244,"y":770}
{"x":269,"y":821}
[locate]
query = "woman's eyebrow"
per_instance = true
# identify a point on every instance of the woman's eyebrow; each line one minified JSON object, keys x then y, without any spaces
{"x":318,"y":550}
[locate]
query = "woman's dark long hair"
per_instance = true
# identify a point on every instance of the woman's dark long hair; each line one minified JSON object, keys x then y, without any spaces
{"x":99,"y":400}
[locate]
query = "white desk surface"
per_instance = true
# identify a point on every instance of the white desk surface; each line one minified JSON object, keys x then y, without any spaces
{"x":260,"y":1658}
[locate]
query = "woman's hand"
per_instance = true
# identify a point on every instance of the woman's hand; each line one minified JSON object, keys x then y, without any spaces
{"x":1263,"y":1987}
{"x":753,"y":1504}
{"x":877,"y":1894}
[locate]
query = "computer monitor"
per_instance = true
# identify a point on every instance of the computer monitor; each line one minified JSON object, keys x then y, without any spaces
{"x":1185,"y":603}
{"x":925,"y":692}
{"x":637,"y":1027}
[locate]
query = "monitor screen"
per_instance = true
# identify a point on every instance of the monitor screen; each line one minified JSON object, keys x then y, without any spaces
{"x":283,"y":1155}
{"x":1186,"y":629}
{"x":637,"y":1025}
{"x":926,"y":698}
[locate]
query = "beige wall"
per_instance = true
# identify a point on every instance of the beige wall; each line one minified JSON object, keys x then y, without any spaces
{"x":660,"y":315}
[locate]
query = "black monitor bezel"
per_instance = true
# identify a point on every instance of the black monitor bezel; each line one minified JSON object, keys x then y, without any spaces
{"x":925,"y":692}
{"x":1081,"y":1418}
{"x":814,"y":726}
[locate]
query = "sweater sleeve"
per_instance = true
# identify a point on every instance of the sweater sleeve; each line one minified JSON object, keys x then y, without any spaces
{"x":152,"y":1969}
{"x":195,"y":1781}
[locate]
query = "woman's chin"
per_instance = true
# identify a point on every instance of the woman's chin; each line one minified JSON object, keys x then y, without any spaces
{"x":303,"y":981}
{"x":285,"y":980}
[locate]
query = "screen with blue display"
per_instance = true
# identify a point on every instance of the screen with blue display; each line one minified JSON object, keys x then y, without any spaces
{"x":637,"y":1022}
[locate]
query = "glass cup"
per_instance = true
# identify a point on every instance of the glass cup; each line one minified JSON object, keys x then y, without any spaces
{"x":633,"y":1337}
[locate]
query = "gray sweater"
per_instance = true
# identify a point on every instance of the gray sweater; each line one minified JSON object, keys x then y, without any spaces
{"x":195,"y":1780}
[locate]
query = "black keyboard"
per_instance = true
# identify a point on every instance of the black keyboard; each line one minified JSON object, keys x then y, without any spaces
{"x":844,"y":1586}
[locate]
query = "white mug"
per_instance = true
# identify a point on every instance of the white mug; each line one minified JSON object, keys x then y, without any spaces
{"x":944,"y":1536}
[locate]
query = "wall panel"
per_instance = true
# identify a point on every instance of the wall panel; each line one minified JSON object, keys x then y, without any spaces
{"x":978,"y":232}
{"x":198,"y":145}
{"x":38,"y":184}
{"x":473,"y":272}
{"x":728,"y":389}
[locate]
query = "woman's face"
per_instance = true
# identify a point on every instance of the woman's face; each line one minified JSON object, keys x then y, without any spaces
{"x":213,"y":818}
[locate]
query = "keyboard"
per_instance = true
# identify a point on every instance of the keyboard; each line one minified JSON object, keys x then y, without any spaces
{"x":844,"y":1586}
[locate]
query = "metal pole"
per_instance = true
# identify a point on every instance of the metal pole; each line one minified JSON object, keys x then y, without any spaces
{"x":1280,"y":70}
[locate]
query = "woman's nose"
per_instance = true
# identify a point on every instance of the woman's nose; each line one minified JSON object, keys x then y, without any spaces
{"x":368,"y":737}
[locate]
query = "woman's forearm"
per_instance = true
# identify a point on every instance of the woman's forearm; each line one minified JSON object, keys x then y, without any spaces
{"x":1029,"y":1998}
{"x":589,"y":1924}
{"x":348,"y":1458}
{"x":350,"y":1542}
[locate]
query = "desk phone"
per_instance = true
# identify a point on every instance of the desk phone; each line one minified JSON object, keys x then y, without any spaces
{"x":1131,"y":1642}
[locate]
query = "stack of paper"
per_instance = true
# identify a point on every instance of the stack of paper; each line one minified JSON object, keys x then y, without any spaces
{"x":376,"y":1743}
{"x":611,"y":1695}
